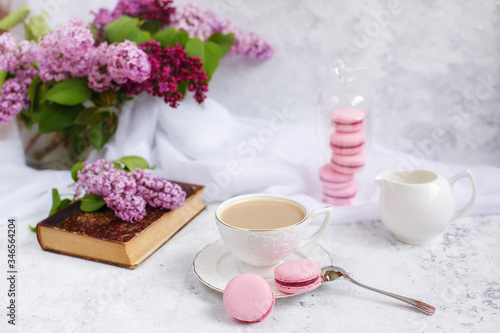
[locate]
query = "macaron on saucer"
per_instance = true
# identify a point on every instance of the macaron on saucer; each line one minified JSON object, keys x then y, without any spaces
{"x":248,"y":298}
{"x":215,"y":265}
{"x":297,"y":276}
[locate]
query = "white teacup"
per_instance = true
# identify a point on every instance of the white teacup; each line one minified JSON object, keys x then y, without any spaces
{"x":261,"y":250}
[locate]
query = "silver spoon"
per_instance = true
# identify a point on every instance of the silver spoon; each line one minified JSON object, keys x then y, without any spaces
{"x":331,"y":273}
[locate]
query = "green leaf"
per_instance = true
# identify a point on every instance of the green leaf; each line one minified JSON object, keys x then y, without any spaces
{"x":209,"y":54}
{"x":172,"y":37}
{"x":134,"y":162}
{"x":56,"y":201}
{"x":119,"y":29}
{"x":73,"y":130}
{"x":91,"y":203}
{"x":138,"y":36}
{"x":182,"y":88}
{"x":118,"y":166}
{"x":55,"y":117}
{"x":32,"y":228}
{"x":89,"y":116}
{"x":32,"y":90}
{"x":26,"y":118}
{"x":181,"y":37}
{"x":94,"y":31}
{"x":69,"y":92}
{"x":74,"y":170}
{"x":165,"y":36}
{"x":11,"y":20}
{"x":224,"y":41}
{"x":3,"y":77}
{"x":104,"y":130}
{"x":37,"y":27}
{"x":63,"y":204}
{"x":151,"y":26}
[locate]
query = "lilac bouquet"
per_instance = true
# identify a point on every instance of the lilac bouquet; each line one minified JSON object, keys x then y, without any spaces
{"x":123,"y":186}
{"x":71,"y":81}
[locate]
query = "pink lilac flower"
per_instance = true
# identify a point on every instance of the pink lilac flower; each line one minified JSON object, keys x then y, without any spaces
{"x":158,"y":192}
{"x":194,"y":21}
{"x":8,"y":47}
{"x":13,"y":99}
{"x":169,"y":68}
{"x":99,"y":78}
{"x":250,"y":45}
{"x":116,"y":64}
{"x":128,"y":62}
{"x":65,"y":51}
{"x":18,"y":59}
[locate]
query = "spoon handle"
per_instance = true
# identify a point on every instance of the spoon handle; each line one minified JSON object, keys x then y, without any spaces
{"x":424,"y":307}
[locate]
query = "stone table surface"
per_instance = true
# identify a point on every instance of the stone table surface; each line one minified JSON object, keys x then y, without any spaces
{"x":459,"y":276}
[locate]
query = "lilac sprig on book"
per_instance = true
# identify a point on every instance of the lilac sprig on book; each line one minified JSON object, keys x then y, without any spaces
{"x":122,"y":186}
{"x":127,"y":193}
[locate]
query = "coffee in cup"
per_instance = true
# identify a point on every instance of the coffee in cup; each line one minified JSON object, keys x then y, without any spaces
{"x":262,"y":229}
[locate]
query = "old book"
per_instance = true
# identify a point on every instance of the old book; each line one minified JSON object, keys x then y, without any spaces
{"x":102,"y":237}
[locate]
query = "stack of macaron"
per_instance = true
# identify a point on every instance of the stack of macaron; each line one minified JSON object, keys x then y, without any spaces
{"x":347,"y":143}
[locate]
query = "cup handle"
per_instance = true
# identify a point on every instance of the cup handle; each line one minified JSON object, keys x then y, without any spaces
{"x":318,"y":211}
{"x":452,"y":180}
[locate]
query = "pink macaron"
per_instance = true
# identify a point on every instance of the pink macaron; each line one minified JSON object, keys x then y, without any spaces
{"x":248,"y":298}
{"x":348,"y":164}
{"x":297,"y":276}
{"x":331,"y":179}
{"x":347,"y":119}
{"x":347,"y":143}
{"x":341,"y":197}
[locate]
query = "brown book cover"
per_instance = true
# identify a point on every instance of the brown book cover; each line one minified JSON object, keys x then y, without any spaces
{"x":102,"y":237}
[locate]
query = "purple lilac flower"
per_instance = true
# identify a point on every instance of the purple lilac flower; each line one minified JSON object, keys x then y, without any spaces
{"x":128,"y":62}
{"x":160,"y":10}
{"x":128,"y":208}
{"x":117,"y":187}
{"x":13,"y":99}
{"x":169,"y":67}
{"x":65,"y":51}
{"x":203,"y":24}
{"x":127,"y":193}
{"x":158,"y":192}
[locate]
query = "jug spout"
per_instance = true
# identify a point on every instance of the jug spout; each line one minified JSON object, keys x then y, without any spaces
{"x":382,"y":179}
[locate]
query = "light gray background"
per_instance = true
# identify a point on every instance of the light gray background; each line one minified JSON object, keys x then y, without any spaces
{"x":428,"y":63}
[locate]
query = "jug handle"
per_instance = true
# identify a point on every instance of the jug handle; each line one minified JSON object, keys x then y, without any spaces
{"x":452,"y":180}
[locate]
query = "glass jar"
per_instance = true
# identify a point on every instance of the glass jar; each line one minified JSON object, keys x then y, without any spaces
{"x":343,"y":136}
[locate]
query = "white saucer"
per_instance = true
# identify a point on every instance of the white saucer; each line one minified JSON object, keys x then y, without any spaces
{"x":215,"y":266}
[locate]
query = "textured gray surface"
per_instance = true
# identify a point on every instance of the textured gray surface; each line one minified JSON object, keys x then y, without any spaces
{"x":459,"y":276}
